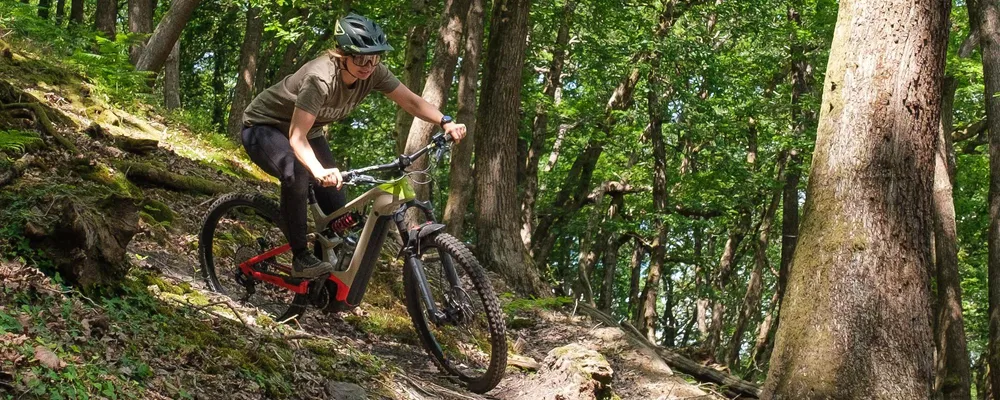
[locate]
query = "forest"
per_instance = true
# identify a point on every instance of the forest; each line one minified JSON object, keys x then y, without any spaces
{"x":802,"y":197}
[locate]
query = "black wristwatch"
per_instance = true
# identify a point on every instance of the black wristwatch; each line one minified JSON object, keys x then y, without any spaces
{"x":445,"y":119}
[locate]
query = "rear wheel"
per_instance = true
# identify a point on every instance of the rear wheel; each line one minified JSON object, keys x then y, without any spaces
{"x":471,"y":343}
{"x":240,"y":226}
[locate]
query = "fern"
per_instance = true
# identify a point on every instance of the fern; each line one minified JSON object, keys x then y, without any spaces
{"x":17,"y":141}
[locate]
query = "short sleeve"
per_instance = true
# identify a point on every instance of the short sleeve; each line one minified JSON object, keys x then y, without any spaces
{"x":312,"y":94}
{"x":385,"y":81}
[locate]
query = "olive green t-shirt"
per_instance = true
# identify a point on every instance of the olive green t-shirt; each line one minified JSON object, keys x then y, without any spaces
{"x":318,"y":89}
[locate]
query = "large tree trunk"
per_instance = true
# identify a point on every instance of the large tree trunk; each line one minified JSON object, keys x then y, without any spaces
{"x":167,"y":32}
{"x":500,"y":246}
{"x":76,"y":12}
{"x":553,"y":82}
{"x":952,"y":378}
{"x":855,"y":320}
{"x":243,"y":92}
{"x":414,"y":61}
{"x":220,"y":65}
{"x":106,"y":17}
{"x":461,"y":154}
{"x":989,"y":42}
{"x":439,"y":79}
{"x":140,"y":21}
{"x":172,"y":78}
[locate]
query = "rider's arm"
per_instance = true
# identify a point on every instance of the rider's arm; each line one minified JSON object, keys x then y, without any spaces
{"x":420,"y":108}
{"x":302,"y":122}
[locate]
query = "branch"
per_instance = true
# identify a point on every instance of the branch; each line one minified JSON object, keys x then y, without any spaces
{"x":969,"y":131}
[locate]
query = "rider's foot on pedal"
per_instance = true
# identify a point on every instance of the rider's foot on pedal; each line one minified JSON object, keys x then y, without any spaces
{"x":306,"y":265}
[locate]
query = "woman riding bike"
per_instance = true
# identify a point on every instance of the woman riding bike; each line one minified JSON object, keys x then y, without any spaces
{"x":283,"y":126}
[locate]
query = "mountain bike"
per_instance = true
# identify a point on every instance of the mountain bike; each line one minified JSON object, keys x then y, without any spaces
{"x":448,"y":296}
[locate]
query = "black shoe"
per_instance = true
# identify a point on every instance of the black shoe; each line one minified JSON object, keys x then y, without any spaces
{"x":306,"y":265}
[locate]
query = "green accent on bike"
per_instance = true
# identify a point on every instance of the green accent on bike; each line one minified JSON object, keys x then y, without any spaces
{"x":400,"y":188}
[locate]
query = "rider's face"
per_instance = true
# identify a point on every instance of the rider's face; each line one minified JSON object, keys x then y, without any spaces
{"x":365,"y":70}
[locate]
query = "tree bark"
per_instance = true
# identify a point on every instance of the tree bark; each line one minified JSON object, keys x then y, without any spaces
{"x":855,"y":320}
{"x":648,"y":298}
{"x":60,"y":11}
{"x":249,"y":51}
{"x":719,"y":283}
{"x":76,"y":12}
{"x":500,"y":246}
{"x":589,"y":250}
{"x":140,"y":22}
{"x":439,"y":80}
{"x":172,"y":78}
{"x":638,"y":254}
{"x":415,"y":59}
{"x":461,"y":153}
{"x":553,"y":81}
{"x":610,"y":262}
{"x":106,"y":17}
{"x":167,"y":32}
{"x":952,"y":378}
{"x":988,"y":18}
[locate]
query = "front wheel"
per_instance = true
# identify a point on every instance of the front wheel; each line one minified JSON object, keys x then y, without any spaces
{"x":470,"y":342}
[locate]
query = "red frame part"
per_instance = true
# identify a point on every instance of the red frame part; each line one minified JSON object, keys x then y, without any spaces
{"x":301,"y":288}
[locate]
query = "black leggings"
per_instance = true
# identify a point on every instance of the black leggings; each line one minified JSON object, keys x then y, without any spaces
{"x":269,"y":148}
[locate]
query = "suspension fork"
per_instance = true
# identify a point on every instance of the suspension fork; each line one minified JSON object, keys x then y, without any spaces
{"x":411,"y":252}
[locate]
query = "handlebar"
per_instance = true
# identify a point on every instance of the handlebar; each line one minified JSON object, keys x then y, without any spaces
{"x":439,"y":141}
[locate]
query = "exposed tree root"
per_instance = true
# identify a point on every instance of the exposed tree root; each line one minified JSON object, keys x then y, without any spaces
{"x":46,"y":123}
{"x":16,"y":170}
{"x":129,"y":144}
{"x":139,"y":172}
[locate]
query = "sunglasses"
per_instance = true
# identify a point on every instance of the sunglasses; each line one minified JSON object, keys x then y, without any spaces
{"x":365,"y":60}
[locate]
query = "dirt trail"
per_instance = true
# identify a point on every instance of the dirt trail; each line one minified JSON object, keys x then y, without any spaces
{"x":636,"y":376}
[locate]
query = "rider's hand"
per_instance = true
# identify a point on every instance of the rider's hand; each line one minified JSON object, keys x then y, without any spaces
{"x":330,"y":177}
{"x":456,"y":130}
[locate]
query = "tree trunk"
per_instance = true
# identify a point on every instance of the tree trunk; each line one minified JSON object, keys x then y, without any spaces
{"x":500,"y":248}
{"x":589,"y":250}
{"x":461,"y":154}
{"x":668,"y":321}
{"x":952,"y":378}
{"x":719,"y":283}
{"x":765,"y":333}
{"x":220,"y":65}
{"x":106,"y":17}
{"x":140,"y":22}
{"x":855,"y":320}
{"x":610,"y":262}
{"x":439,"y":79}
{"x":553,"y":81}
{"x":414,"y":62}
{"x":554,"y":155}
{"x":638,"y":254}
{"x":648,"y":298}
{"x":44,"y":7}
{"x":989,"y":41}
{"x":172,"y":78}
{"x":243,"y":92}
{"x":60,"y":12}
{"x":751,"y":300}
{"x":167,"y":32}
{"x":76,"y":12}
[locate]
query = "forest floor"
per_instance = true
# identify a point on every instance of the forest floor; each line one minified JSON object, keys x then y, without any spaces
{"x":163,"y":334}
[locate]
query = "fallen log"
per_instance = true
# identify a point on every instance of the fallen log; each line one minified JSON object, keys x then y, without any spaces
{"x":139,"y":172}
{"x":729,"y":383}
{"x":132,"y":145}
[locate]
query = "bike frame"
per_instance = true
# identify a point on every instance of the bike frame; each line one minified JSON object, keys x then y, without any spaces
{"x":389,"y":203}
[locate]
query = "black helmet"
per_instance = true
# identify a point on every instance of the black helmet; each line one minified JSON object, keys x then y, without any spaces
{"x":359,"y":35}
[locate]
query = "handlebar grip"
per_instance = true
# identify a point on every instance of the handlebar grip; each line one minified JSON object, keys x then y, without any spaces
{"x":348,"y":176}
